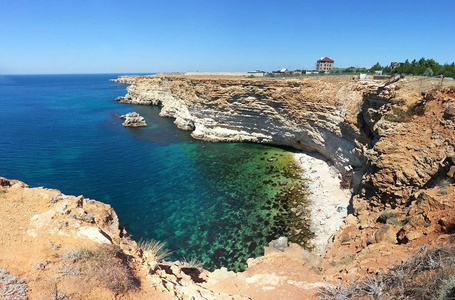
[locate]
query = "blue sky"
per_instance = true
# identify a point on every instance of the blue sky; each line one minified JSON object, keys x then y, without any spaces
{"x":100,"y":36}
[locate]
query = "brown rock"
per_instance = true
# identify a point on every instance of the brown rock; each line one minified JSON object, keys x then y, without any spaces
{"x":350,"y":220}
{"x":428,"y":203}
{"x":451,"y":171}
{"x":450,"y":111}
{"x":417,"y":221}
{"x":387,"y":233}
{"x":413,"y":235}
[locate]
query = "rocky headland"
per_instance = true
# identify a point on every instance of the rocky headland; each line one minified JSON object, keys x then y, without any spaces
{"x":391,"y":145}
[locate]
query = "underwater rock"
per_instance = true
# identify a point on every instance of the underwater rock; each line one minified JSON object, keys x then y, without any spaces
{"x":220,"y":252}
{"x":230,"y":200}
{"x":247,"y":238}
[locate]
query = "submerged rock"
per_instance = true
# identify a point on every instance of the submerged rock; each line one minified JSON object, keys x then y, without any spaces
{"x":133,"y":119}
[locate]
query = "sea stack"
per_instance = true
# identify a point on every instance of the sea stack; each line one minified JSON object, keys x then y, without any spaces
{"x":133,"y":119}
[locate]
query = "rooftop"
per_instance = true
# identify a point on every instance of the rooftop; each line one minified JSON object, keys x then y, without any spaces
{"x":325,"y":59}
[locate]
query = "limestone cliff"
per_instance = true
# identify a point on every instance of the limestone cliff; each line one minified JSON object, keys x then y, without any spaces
{"x":304,"y":114}
{"x":379,"y":131}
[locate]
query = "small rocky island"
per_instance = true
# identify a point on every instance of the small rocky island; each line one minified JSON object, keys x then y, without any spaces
{"x":133,"y":119}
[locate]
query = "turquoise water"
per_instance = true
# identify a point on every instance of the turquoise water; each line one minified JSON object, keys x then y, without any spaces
{"x":212,"y":201}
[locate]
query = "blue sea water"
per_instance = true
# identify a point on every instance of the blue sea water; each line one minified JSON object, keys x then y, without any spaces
{"x":211,"y":201}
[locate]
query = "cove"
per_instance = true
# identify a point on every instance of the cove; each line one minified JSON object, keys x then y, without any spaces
{"x":216,"y":202}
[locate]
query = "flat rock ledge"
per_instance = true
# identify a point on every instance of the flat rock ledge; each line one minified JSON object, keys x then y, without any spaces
{"x":133,"y":119}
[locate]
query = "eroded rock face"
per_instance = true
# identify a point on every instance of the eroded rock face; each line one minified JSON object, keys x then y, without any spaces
{"x":410,"y":150}
{"x":305,"y":114}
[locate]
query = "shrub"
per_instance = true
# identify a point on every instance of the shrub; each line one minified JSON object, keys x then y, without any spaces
{"x":12,"y":287}
{"x":107,"y":265}
{"x":395,"y":222}
{"x":429,"y":274}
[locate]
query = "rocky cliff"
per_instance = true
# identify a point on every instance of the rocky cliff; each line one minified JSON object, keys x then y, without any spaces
{"x":304,"y":114}
{"x":379,"y":131}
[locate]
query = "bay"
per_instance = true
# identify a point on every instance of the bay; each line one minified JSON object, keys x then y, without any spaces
{"x":215,"y":202}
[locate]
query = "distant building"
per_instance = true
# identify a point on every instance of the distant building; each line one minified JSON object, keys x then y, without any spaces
{"x":257,"y":73}
{"x":284,"y":71}
{"x":324,"y":64}
{"x":394,"y":65}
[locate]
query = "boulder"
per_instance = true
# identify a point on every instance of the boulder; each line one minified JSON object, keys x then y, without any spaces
{"x":449,"y":111}
{"x":94,"y":234}
{"x":133,"y":119}
{"x":387,"y":233}
{"x":280,"y":244}
{"x":351,"y":220}
{"x":413,"y":235}
{"x":427,"y":202}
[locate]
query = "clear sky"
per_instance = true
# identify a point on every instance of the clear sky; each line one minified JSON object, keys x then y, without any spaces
{"x":132,"y":36}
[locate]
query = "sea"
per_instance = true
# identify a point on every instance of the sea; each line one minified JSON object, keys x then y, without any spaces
{"x":213,"y":202}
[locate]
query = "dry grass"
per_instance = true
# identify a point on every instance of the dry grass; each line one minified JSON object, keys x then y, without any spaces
{"x":192,"y":263}
{"x":155,"y":248}
{"x":430,"y":274}
{"x":107,"y":265}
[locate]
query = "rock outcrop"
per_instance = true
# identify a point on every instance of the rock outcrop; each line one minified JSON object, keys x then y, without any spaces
{"x":124,"y":79}
{"x":133,"y":119}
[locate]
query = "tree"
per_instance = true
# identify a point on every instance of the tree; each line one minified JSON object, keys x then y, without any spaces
{"x":376,"y":67}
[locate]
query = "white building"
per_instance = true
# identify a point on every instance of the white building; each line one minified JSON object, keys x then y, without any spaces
{"x":324,"y":64}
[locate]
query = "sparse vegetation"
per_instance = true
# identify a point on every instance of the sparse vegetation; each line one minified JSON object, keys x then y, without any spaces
{"x":443,"y":192}
{"x":345,"y":239}
{"x":67,"y":270}
{"x":192,"y":263}
{"x":395,"y":222}
{"x":430,"y":274}
{"x":155,"y":248}
{"x":12,"y":287}
{"x":107,"y":265}
{"x":390,"y":217}
{"x":444,"y":184}
{"x":405,"y":114}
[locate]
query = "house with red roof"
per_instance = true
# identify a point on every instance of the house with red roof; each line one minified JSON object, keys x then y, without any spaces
{"x":324,"y":64}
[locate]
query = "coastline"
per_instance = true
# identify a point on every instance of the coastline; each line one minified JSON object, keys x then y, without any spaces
{"x":328,"y":202}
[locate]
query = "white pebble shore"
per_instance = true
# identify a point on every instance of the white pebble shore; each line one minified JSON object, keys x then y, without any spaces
{"x":328,"y":202}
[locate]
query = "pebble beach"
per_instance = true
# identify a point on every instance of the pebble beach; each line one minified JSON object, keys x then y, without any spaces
{"x":328,"y":202}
